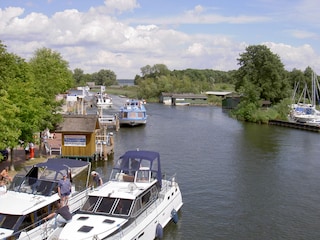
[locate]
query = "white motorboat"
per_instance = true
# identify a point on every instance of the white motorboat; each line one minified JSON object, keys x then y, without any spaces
{"x":32,"y":196}
{"x":136,"y":203}
{"x":133,"y":113}
{"x":103,"y":101}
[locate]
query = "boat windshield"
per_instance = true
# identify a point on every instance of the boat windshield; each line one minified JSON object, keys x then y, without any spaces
{"x":33,"y":185}
{"x":107,"y":205}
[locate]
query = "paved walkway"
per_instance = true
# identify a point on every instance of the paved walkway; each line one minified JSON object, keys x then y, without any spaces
{"x":19,"y":156}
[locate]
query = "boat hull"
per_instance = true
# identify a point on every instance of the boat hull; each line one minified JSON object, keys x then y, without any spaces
{"x":136,"y":203}
{"x":132,"y":122}
{"x":143,"y":227}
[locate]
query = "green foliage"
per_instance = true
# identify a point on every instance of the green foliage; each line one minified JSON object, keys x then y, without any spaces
{"x":158,"y":78}
{"x":104,"y":78}
{"x":51,"y":72}
{"x":128,"y":91}
{"x":264,"y":70}
{"x":16,"y":88}
{"x":282,"y":109}
{"x":261,"y":76}
{"x":52,"y":77}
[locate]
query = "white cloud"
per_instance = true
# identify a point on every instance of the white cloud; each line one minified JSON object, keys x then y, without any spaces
{"x":96,"y":40}
{"x":120,"y":5}
{"x":296,"y":57}
{"x":302,"y":34}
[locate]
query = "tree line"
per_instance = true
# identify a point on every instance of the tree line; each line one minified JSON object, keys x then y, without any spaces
{"x":261,"y":76}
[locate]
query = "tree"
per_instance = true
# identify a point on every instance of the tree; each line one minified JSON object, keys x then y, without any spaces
{"x":52,"y":77}
{"x":264,"y":70}
{"x":105,"y":78}
{"x":19,"y":115}
{"x":78,"y":75}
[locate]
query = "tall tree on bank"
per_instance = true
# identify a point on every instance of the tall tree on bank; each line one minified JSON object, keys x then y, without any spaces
{"x":52,"y":77}
{"x":19,"y":113}
{"x":261,"y":76}
{"x":264,"y":72}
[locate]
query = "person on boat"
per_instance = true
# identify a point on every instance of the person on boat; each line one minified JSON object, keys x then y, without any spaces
{"x":5,"y":175}
{"x":62,"y":214}
{"x":97,"y":180}
{"x":64,"y":189}
{"x":3,"y":187}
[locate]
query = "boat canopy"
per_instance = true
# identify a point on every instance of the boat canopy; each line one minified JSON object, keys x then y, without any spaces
{"x":62,"y":166}
{"x":134,"y":160}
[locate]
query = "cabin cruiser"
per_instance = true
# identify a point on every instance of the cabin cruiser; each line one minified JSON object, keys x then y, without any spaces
{"x":32,"y":196}
{"x":136,"y":203}
{"x":103,"y":100}
{"x":133,"y":113}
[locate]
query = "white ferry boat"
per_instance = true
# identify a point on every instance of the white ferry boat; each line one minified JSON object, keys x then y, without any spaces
{"x":32,"y":196}
{"x":133,"y":113}
{"x":137,"y":203}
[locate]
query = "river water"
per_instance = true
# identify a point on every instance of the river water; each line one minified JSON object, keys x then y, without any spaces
{"x":238,"y":180}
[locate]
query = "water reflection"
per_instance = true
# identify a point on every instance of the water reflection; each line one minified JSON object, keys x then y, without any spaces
{"x":238,"y":180}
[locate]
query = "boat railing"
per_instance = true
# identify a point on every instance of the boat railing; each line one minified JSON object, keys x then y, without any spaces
{"x":168,"y":182}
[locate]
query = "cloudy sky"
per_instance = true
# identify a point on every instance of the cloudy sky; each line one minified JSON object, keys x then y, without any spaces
{"x":125,"y":35}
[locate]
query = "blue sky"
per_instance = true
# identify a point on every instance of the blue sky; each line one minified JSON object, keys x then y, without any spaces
{"x":125,"y":35}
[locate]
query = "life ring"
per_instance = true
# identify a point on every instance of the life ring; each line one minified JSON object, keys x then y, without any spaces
{"x":159,"y":231}
{"x":174,"y":216}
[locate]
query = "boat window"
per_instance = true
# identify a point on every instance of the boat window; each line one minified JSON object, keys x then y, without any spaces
{"x":8,"y":221}
{"x":42,"y":212}
{"x":45,"y":188}
{"x":16,"y":182}
{"x":136,"y":208}
{"x":90,"y":203}
{"x":123,"y":207}
{"x":134,"y":166}
{"x":143,"y":176}
{"x":145,"y":198}
{"x":28,"y":222}
{"x":105,"y":205}
{"x":145,"y":164}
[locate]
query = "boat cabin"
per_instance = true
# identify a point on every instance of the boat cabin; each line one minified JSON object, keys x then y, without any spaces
{"x":139,"y":175}
{"x":137,"y":166}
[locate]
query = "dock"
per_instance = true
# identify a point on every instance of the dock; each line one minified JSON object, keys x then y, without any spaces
{"x":296,"y":125}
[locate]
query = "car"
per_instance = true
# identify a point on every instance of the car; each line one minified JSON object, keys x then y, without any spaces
{"x":5,"y":154}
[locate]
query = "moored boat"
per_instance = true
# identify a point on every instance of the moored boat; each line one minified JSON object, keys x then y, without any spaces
{"x":136,"y":203}
{"x":32,"y":196}
{"x":306,"y":111}
{"x":103,"y":100}
{"x":133,"y":113}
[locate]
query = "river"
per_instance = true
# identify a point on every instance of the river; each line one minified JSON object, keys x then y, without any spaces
{"x":238,"y":180}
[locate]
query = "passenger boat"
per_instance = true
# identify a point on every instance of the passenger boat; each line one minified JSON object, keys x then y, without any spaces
{"x":32,"y":196}
{"x":133,"y":113}
{"x":136,"y":203}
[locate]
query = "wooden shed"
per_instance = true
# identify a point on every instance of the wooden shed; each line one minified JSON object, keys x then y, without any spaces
{"x":79,"y":136}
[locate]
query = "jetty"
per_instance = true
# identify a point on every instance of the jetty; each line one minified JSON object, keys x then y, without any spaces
{"x":301,"y":126}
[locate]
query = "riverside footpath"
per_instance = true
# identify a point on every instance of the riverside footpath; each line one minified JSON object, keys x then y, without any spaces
{"x":20,"y":159}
